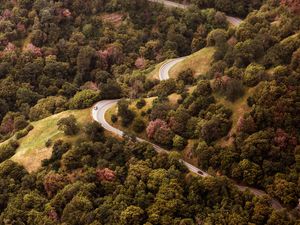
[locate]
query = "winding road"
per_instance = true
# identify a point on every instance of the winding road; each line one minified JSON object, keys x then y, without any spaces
{"x":100,"y":108}
{"x":98,"y":114}
{"x":103,"y":106}
{"x":232,"y":20}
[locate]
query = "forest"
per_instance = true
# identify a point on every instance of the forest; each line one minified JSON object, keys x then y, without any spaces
{"x":238,"y":118}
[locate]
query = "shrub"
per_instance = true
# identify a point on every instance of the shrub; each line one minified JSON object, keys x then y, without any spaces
{"x":84,"y":99}
{"x":140,"y":103}
{"x":95,"y":131}
{"x":143,"y":113}
{"x":253,"y":75}
{"x":165,"y":88}
{"x":8,"y":150}
{"x":20,"y":122}
{"x":29,"y":127}
{"x":114,"y":118}
{"x":48,"y":143}
{"x":125,"y":113}
{"x":21,"y":133}
{"x":186,"y":76}
{"x":47,"y":107}
{"x":179,"y":142}
{"x":164,"y":136}
{"x":138,"y":125}
{"x":68,"y":125}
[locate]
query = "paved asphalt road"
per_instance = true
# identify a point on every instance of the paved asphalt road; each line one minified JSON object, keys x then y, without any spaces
{"x":233,"y":20}
{"x":165,"y":68}
{"x":101,"y":107}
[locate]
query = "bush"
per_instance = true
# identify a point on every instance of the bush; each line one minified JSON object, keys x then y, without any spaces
{"x":20,"y":122}
{"x":143,"y":113}
{"x":84,"y":99}
{"x":186,"y":76}
{"x":8,"y":150}
{"x":179,"y":142}
{"x":138,"y":125}
{"x":95,"y":131}
{"x":253,"y":75}
{"x":68,"y":125}
{"x":48,"y":143}
{"x":140,"y":103}
{"x":21,"y":133}
{"x":29,"y":127}
{"x":234,"y":90}
{"x":165,"y":88}
{"x":125,"y":113}
{"x":114,"y":118}
{"x":47,"y":107}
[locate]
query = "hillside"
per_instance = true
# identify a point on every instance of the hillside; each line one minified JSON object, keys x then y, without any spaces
{"x":145,"y":112}
{"x":199,"y":62}
{"x":32,"y":148}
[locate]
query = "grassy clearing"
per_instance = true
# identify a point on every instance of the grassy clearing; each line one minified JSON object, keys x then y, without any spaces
{"x":32,"y":148}
{"x":173,"y":99}
{"x":199,"y":62}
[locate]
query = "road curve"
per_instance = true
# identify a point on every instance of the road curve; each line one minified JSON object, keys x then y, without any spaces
{"x":232,"y":20}
{"x":165,"y":68}
{"x":100,"y":108}
{"x":98,"y":115}
{"x":170,"y":4}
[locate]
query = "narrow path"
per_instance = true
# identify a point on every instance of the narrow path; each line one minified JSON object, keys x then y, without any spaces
{"x":233,"y":20}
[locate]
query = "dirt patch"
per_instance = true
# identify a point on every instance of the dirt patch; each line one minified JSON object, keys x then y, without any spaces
{"x":33,"y":161}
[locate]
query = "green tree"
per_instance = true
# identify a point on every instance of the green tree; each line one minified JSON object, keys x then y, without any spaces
{"x":132,"y":215}
{"x":84,"y":99}
{"x":125,"y":113}
{"x":138,"y":125}
{"x":68,"y":125}
{"x":95,"y":131}
{"x":253,"y":75}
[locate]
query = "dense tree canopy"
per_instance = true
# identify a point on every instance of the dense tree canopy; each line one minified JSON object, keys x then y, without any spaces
{"x":239,"y":120}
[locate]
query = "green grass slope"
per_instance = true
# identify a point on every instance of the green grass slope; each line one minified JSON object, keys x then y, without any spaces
{"x":199,"y":62}
{"x":32,"y":149}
